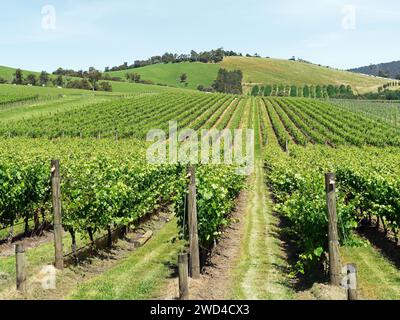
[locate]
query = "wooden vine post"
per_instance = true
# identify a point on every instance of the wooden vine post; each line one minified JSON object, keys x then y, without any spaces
{"x":334,"y":258}
{"x":20,"y":263}
{"x":352,"y":282}
{"x":183,"y":276}
{"x":56,"y":197}
{"x":194,"y":261}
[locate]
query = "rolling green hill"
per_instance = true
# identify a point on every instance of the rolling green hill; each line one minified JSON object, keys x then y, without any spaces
{"x":169,"y":74}
{"x":276,"y":71}
{"x":256,"y":71}
{"x":7,"y":73}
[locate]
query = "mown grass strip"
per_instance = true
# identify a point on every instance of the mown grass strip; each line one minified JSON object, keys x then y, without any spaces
{"x":140,"y":276}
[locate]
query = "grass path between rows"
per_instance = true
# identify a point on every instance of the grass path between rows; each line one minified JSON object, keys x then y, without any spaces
{"x":260,"y":272}
{"x":139,"y":276}
{"x":37,"y":258}
{"x":378,"y":278}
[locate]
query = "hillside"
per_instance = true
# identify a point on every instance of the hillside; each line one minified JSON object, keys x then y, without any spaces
{"x":392,"y":69}
{"x":7,"y":73}
{"x":277,"y":71}
{"x":169,"y":74}
{"x":255,"y":70}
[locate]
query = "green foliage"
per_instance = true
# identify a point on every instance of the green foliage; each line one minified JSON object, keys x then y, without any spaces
{"x":382,"y":95}
{"x":217,"y":188}
{"x":381,"y":110}
{"x":108,"y":185}
{"x":367,"y":184}
{"x":281,"y":90}
{"x":105,"y":86}
{"x":312,"y":91}
{"x":255,"y":91}
{"x":18,"y":77}
{"x":324,"y":122}
{"x":133,"y":77}
{"x":10,"y":99}
{"x":84,"y":84}
{"x":267,"y":90}
{"x":280,"y":131}
{"x":132,"y":116}
{"x":93,"y":77}
{"x":213,"y":56}
{"x":293,"y":91}
{"x":79,"y":84}
{"x":183,"y":77}
{"x":44,"y":78}
{"x":318,"y":92}
{"x":31,"y":79}
{"x":274,"y":90}
{"x":58,"y":81}
{"x":306,"y":91}
{"x":229,"y":81}
{"x":287,"y":123}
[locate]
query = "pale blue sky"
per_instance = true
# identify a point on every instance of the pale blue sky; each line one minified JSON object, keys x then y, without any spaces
{"x":100,"y":33}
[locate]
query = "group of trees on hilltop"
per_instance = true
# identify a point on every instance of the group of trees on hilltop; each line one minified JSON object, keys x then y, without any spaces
{"x":86,"y":84}
{"x":213,"y":56}
{"x":69,"y":73}
{"x":306,"y":91}
{"x":83,"y":74}
{"x":90,"y":80}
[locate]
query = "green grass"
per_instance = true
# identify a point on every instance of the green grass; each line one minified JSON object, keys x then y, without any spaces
{"x":169,"y":74}
{"x":378,"y":279}
{"x":36,"y":258}
{"x":260,"y":270}
{"x":140,"y":276}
